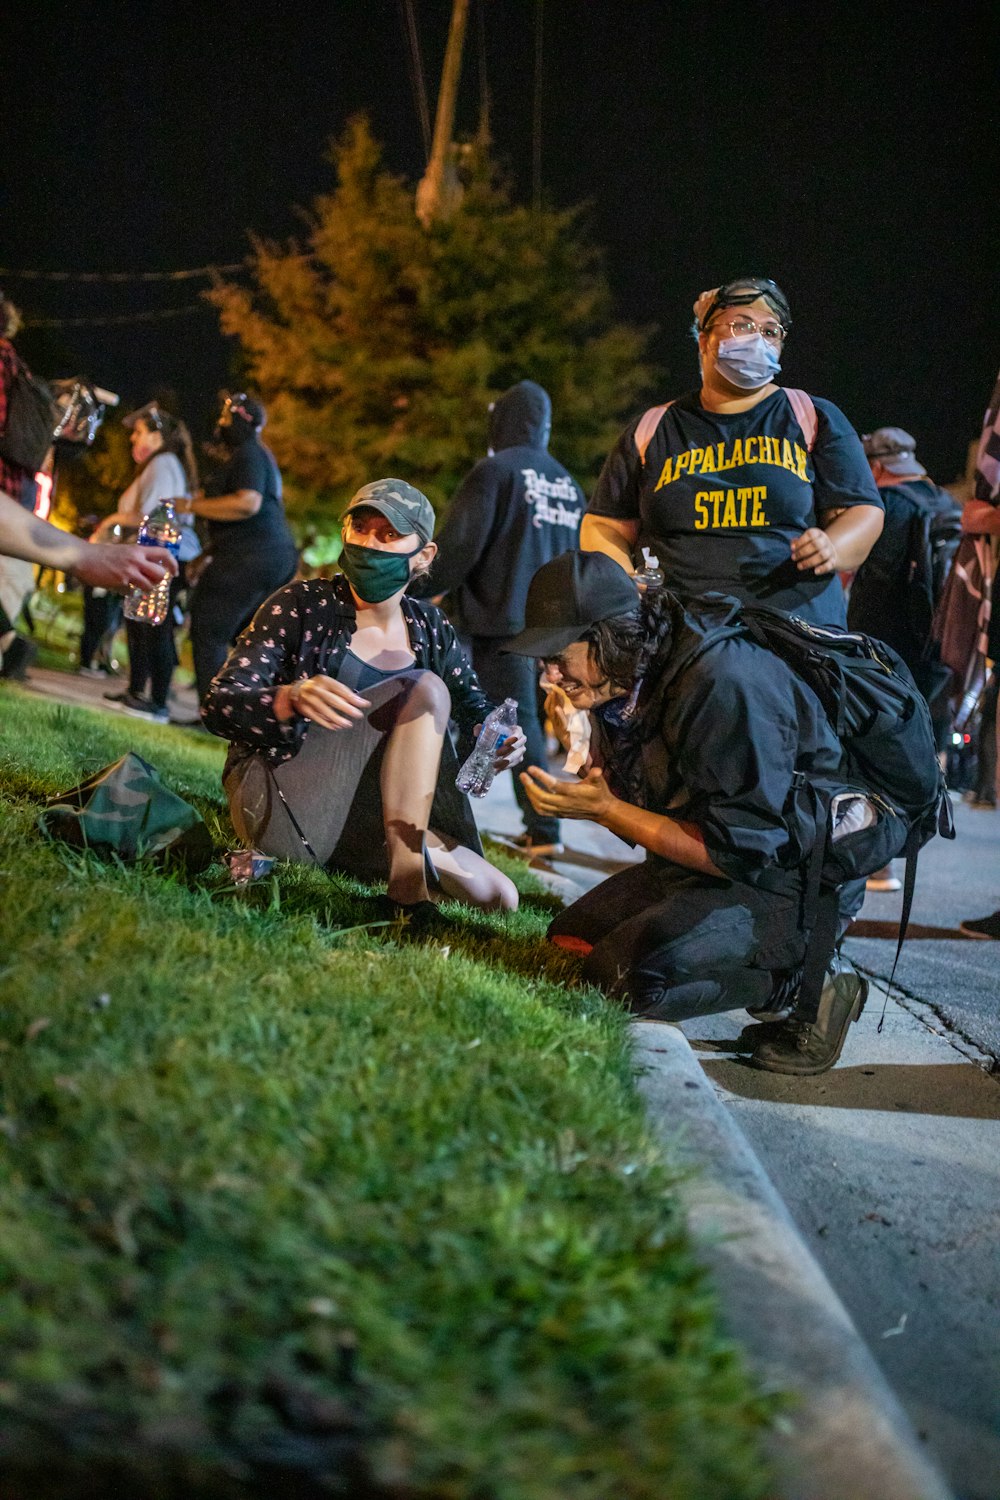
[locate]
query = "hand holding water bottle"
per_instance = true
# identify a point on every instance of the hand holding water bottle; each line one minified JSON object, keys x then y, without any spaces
{"x":159,"y":529}
{"x":500,"y":744}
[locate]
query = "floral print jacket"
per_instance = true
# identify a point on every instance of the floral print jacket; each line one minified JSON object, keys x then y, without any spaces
{"x":302,"y":631}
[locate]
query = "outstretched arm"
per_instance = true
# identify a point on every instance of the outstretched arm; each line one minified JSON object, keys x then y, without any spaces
{"x":101,"y":564}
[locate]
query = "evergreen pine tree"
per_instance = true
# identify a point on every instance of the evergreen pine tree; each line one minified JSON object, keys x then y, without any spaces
{"x":378,"y":347}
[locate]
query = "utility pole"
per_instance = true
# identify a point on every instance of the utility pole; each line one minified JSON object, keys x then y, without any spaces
{"x":439,"y":190}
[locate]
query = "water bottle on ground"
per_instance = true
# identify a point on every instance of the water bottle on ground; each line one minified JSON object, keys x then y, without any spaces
{"x":649,"y":577}
{"x":476,"y":776}
{"x":159,"y":529}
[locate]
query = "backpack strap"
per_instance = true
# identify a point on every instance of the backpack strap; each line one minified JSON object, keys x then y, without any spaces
{"x":647,"y":425}
{"x":805,"y":414}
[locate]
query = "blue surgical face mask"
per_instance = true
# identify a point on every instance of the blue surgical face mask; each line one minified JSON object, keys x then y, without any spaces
{"x":748,"y":362}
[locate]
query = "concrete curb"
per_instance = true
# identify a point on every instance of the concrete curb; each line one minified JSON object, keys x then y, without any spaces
{"x":847,"y":1438}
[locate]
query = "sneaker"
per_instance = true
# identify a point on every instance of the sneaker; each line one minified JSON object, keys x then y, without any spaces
{"x":982,"y":927}
{"x":806,"y":1047}
{"x":526,"y":843}
{"x":885,"y":879}
{"x":90,"y":672}
{"x":140,"y":708}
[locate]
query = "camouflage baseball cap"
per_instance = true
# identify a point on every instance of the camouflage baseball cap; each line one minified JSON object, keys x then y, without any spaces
{"x":402,"y":505}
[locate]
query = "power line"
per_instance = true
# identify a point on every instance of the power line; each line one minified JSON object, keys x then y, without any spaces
{"x":196,"y":272}
{"x":118,"y":319}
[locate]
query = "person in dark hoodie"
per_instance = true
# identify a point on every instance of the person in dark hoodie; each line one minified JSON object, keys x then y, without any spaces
{"x":515,"y":510}
{"x":699,"y":741}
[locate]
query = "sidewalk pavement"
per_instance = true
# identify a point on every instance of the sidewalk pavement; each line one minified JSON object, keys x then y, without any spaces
{"x":880,"y":1177}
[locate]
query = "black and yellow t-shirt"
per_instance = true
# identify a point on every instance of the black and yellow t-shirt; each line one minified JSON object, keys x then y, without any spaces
{"x":721,"y":496}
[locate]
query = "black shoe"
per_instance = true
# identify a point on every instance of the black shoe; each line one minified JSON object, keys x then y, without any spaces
{"x":418,"y":918}
{"x":17,"y":658}
{"x":805,"y":1047}
{"x":982,"y":927}
{"x":140,"y":708}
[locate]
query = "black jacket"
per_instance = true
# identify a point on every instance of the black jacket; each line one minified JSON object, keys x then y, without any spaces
{"x":516,"y":510}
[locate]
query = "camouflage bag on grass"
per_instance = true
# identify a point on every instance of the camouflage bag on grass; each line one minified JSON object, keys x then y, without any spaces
{"x":125,"y":810}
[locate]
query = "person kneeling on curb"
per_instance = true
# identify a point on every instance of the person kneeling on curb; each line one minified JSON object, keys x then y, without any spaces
{"x":698,"y":754}
{"x":336,"y":699}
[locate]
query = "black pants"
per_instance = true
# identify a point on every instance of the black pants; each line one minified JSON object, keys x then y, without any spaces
{"x":152,"y":651}
{"x":226,"y":597}
{"x":517,"y":677}
{"x":102,"y":612}
{"x":672,"y":944}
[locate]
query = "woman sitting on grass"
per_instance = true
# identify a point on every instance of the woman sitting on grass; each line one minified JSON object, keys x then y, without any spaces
{"x":337,"y":699}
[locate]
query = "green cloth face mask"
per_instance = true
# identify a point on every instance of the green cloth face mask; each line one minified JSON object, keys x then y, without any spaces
{"x":375,"y":575}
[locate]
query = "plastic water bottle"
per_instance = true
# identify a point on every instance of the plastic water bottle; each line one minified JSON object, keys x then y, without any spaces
{"x":476,"y":776}
{"x":649,"y":577}
{"x":159,"y":529}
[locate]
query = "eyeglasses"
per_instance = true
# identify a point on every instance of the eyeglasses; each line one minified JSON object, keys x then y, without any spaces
{"x":742,"y":328}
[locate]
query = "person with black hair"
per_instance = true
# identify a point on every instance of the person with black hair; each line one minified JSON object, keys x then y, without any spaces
{"x":251,"y":550}
{"x":700,"y":741}
{"x":742,"y":486}
{"x":165,"y":470}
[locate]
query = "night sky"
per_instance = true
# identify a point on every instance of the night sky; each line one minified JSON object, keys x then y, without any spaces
{"x":848,"y":152}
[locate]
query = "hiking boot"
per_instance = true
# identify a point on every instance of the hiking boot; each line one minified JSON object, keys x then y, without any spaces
{"x":885,"y":879}
{"x":982,"y":927}
{"x":805,"y":1047}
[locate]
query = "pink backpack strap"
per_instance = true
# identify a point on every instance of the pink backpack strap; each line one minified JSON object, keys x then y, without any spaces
{"x":805,"y":414}
{"x":648,"y":423}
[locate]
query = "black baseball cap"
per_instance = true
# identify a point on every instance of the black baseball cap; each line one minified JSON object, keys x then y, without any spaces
{"x":567,"y":596}
{"x":245,"y":408}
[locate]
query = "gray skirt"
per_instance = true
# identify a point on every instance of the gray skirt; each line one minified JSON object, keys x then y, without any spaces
{"x":332,"y":788}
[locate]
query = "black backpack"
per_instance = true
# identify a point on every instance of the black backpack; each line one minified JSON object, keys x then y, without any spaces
{"x":882,"y":720}
{"x":31,"y":420}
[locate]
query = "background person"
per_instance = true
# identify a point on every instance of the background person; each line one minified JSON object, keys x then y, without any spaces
{"x":697,"y":759}
{"x":166,"y":470}
{"x":515,"y":510}
{"x":17,"y":579}
{"x":894,"y":594}
{"x":336,"y":702}
{"x":251,"y":551}
{"x":726,"y":488}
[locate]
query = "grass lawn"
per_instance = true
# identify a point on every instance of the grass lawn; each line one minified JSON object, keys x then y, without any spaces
{"x":291,"y":1210}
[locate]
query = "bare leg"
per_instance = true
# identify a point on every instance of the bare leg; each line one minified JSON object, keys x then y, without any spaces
{"x":408,"y":779}
{"x":466,"y":876}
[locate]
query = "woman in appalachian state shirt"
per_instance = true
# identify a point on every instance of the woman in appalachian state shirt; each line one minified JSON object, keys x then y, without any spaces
{"x":724,"y":484}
